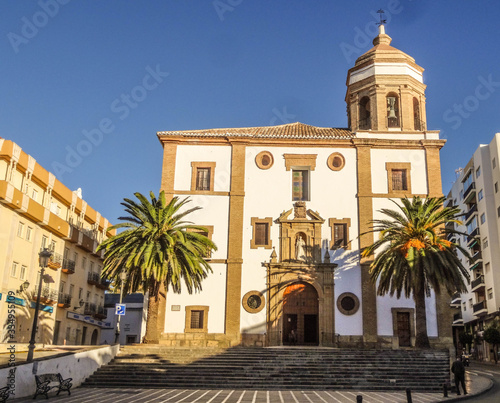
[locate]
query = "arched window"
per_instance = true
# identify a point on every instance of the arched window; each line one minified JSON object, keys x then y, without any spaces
{"x":417,"y":122}
{"x":392,"y":110}
{"x":365,"y":122}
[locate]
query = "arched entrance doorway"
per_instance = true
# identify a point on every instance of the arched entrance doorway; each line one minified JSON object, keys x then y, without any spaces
{"x":300,"y":315}
{"x":93,"y":340}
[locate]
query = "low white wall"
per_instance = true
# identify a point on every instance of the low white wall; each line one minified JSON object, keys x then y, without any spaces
{"x":78,"y":366}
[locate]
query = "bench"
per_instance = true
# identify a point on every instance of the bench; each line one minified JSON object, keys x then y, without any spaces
{"x":46,"y":382}
{"x":4,"y":394}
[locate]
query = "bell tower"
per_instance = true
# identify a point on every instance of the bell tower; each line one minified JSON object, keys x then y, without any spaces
{"x":385,"y":90}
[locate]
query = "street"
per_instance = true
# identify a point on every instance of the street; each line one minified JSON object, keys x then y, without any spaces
{"x":489,"y":371}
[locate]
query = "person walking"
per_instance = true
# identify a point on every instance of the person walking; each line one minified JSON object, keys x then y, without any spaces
{"x":458,"y":370}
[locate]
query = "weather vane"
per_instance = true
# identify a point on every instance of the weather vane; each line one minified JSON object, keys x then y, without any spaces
{"x":382,"y":20}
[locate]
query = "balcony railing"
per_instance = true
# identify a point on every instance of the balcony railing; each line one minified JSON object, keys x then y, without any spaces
{"x":93,"y":278}
{"x":456,"y":300}
{"x":457,"y":319}
{"x":55,"y":261}
{"x":469,"y":213}
{"x":103,"y":284}
{"x":48,"y":296}
{"x":90,"y":309}
{"x":101,"y":313}
{"x":480,"y":308}
{"x":472,"y":236}
{"x":470,"y":191}
{"x":68,"y":266}
{"x":477,"y":283}
{"x":64,"y":300}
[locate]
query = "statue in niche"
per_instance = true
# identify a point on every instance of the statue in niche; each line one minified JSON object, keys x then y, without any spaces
{"x":300,"y":248}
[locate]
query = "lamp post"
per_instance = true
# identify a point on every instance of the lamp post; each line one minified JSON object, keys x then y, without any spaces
{"x":43,"y":260}
{"x":123,"y":277}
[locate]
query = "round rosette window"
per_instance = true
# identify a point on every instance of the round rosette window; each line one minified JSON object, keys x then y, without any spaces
{"x":253,"y":301}
{"x":264,"y":160}
{"x":336,"y":161}
{"x":348,"y":303}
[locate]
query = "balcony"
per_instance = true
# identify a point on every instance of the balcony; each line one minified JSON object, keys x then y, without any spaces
{"x":470,"y":193}
{"x":456,"y":300}
{"x":55,"y":261}
{"x":64,"y":300}
{"x":82,"y":238}
{"x":103,"y":284}
{"x":473,"y":237}
{"x":470,"y":213}
{"x":457,"y":319}
{"x":68,"y":266}
{"x":476,"y":261}
{"x":48,"y":296}
{"x":480,"y":308}
{"x":477,"y":284}
{"x":90,"y":309}
{"x":93,"y":278}
{"x":101,"y":313}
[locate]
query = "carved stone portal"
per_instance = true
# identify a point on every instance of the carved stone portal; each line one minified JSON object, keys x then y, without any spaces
{"x":299,"y":261}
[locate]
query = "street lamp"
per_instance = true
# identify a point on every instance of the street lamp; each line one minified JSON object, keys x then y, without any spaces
{"x":43,"y":260}
{"x":123,"y":277}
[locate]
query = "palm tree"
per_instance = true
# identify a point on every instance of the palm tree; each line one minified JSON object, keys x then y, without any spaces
{"x":157,"y":248}
{"x":415,"y":256}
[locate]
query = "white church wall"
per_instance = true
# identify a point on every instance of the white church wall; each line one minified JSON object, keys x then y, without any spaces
{"x":379,"y":157}
{"x":213,"y":295}
{"x":186,"y":154}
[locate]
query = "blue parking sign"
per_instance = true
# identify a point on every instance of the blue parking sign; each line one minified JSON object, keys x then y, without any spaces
{"x":120,"y":309}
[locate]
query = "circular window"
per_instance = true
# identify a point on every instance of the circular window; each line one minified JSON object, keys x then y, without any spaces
{"x":264,"y":160}
{"x":253,"y":301}
{"x":348,"y":303}
{"x":336,"y":161}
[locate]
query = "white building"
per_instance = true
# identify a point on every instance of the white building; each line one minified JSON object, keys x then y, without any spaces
{"x":286,"y":206}
{"x":475,"y":192}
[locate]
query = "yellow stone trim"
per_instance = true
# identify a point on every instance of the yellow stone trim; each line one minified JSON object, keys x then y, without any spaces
{"x":390,"y":166}
{"x":189,"y":309}
{"x":260,"y":156}
{"x":269,"y":222}
{"x":333,"y":156}
{"x":194,"y":168}
{"x":300,"y":160}
{"x":245,"y":298}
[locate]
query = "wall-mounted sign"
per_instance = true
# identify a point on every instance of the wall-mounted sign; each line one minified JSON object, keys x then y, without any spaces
{"x":120,"y":309}
{"x":88,"y":319}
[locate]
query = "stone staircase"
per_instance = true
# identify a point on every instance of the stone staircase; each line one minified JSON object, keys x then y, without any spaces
{"x":274,"y":369}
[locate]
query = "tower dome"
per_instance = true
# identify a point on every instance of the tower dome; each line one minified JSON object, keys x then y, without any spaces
{"x":385,"y":90}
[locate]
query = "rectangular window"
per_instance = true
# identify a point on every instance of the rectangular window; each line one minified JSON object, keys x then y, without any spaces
{"x":461,"y":195}
{"x":261,"y":233}
{"x":472,"y":226}
{"x":468,"y":181}
{"x":478,"y":172}
{"x":480,"y":195}
{"x":62,"y":286}
{"x":53,"y":246}
{"x":494,"y":163}
{"x":498,"y":211}
{"x":485,"y":243}
{"x":470,"y":303}
{"x":490,"y":293}
{"x":88,"y":297}
{"x":20,"y":229}
{"x":340,"y":235}
{"x":29,"y":231}
{"x":203,"y":178}
{"x":34,"y":195}
{"x":300,"y":185}
{"x":71,"y":289}
{"x":92,"y":267}
{"x":13,"y":271}
{"x":22,"y":273}
{"x":483,"y":218}
{"x":197,"y":319}
{"x":80,"y":293}
{"x":399,"y":179}
{"x":487,"y":267}
{"x":84,"y":263}
{"x":261,"y":237}
{"x":45,"y":241}
{"x":464,"y":306}
{"x":496,"y":187}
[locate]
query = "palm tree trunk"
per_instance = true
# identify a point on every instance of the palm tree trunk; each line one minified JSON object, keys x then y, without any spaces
{"x":421,"y":339}
{"x":152,"y":334}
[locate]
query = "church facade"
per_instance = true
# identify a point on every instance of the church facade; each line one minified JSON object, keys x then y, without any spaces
{"x":289,"y":208}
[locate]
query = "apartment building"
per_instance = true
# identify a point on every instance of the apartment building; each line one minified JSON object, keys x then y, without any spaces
{"x":37,"y":211}
{"x":476,"y":193}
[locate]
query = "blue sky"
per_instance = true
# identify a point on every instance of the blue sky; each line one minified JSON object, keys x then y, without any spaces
{"x":113,"y":73}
